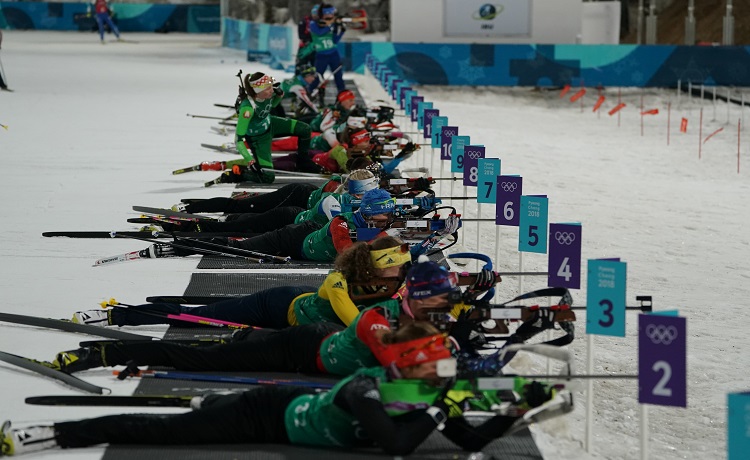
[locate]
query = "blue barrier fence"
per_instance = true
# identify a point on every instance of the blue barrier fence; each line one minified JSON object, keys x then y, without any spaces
{"x":129,"y":17}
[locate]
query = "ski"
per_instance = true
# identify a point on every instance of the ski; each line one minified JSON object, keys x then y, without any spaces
{"x":165,"y":235}
{"x":187,"y":299}
{"x":69,"y":326}
{"x":112,"y":401}
{"x":46,"y":369}
{"x":170,"y":213}
{"x":220,"y":130}
{"x":211,"y":166}
{"x":128,"y":256}
{"x":226,"y":148}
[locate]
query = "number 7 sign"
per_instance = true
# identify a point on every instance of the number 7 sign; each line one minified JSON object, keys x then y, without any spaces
{"x":564,"y":261}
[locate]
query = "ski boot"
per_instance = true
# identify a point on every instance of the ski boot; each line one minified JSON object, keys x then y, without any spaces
{"x":158,"y":250}
{"x":92,"y":317}
{"x":24,"y":440}
{"x":179,"y":207}
{"x":305,"y":164}
{"x":79,"y":360}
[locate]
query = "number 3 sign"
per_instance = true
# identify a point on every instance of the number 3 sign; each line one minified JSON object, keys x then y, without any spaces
{"x":605,"y":297}
{"x":662,"y":360}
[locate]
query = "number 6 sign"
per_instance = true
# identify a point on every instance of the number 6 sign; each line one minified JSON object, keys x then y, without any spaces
{"x":662,"y":360}
{"x":509,"y":189}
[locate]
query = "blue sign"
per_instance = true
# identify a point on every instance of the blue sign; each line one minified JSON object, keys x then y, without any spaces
{"x":415,"y":100}
{"x":421,"y":107}
{"x":738,"y":435}
{"x":396,"y":90}
{"x":605,"y":299}
{"x":532,"y":224}
{"x":437,"y":126}
{"x":429,"y":114}
{"x":402,"y":95}
{"x":662,"y":360}
{"x":446,"y":141}
{"x":472,"y":154}
{"x":564,"y":260}
{"x":489,"y":169}
{"x":457,"y":153}
{"x":509,"y":189}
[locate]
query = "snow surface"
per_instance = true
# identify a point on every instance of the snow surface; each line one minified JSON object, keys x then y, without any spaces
{"x":94,"y":130}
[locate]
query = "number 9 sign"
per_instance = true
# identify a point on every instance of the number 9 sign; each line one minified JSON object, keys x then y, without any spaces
{"x":662,"y":360}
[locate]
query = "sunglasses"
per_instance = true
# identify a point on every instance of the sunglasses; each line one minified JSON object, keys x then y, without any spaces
{"x":328,"y":18}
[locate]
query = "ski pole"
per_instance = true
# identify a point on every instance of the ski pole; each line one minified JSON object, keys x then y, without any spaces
{"x":208,"y":117}
{"x":4,"y":126}
{"x":179,"y":317}
{"x":203,"y":377}
{"x":278,"y":259}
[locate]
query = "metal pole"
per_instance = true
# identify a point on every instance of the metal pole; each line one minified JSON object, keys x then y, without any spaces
{"x":651,"y":24}
{"x":690,"y":24}
{"x":639,"y":22}
{"x":728,"y":35}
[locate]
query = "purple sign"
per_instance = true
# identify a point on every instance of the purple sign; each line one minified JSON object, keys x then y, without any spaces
{"x":446,"y":140}
{"x":509,"y":189}
{"x":394,"y":88}
{"x":472,"y":154}
{"x":428,"y":114}
{"x":564,"y":261}
{"x":662,"y":360}
{"x":413,"y":109}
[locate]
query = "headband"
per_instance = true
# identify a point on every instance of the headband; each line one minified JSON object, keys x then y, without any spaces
{"x":391,"y":257}
{"x":413,"y":352}
{"x":262,"y":83}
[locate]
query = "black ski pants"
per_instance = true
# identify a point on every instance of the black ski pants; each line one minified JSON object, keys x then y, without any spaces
{"x":288,"y":195}
{"x":270,"y":220}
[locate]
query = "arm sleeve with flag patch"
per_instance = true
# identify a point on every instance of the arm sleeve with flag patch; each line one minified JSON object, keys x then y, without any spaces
{"x":339,"y":229}
{"x":336,"y":290}
{"x":370,"y":328}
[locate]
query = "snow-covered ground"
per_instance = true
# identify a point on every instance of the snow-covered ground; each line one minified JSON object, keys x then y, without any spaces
{"x":94,"y":130}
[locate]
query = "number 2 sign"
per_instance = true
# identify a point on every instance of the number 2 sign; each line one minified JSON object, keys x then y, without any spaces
{"x":662,"y":360}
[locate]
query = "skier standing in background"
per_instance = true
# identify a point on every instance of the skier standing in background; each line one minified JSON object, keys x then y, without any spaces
{"x":326,"y":32}
{"x":101,"y":10}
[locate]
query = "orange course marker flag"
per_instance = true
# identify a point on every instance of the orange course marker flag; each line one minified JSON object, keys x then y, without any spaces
{"x":650,"y":112}
{"x":564,"y":91}
{"x":713,"y":134}
{"x":683,"y":125}
{"x":578,"y":95}
{"x":599,"y":103}
{"x":617,"y":108}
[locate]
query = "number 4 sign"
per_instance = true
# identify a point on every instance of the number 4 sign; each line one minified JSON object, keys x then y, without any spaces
{"x":662,"y":360}
{"x":564,"y":261}
{"x":605,"y":299}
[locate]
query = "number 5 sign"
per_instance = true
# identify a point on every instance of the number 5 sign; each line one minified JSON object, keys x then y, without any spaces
{"x":605,"y":299}
{"x":564,"y":261}
{"x":509,"y":190}
{"x":662,"y":360}
{"x":532,"y":224}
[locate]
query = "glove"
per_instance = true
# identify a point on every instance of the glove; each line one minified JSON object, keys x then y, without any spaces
{"x":407,"y":150}
{"x":427,"y":203}
{"x":452,"y":224}
{"x":486,"y":280}
{"x":421,"y":184}
{"x":535,"y":394}
{"x":542,"y":320}
{"x":465,"y":333}
{"x":277,"y":89}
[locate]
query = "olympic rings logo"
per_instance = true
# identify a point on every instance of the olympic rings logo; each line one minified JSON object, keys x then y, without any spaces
{"x":474,"y":154}
{"x":659,"y":334}
{"x":566,"y":238}
{"x":508,"y":186}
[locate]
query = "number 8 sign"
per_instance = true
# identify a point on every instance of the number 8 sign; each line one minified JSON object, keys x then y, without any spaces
{"x":662,"y":360}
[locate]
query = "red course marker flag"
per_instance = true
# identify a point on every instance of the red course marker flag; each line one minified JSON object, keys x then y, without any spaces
{"x":599,"y":103}
{"x":564,"y":91}
{"x":617,"y":108}
{"x":650,"y":112}
{"x":578,"y":95}
{"x":712,"y":134}
{"x":683,"y":125}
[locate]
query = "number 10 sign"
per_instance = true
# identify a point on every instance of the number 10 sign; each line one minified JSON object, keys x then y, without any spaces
{"x":662,"y":360}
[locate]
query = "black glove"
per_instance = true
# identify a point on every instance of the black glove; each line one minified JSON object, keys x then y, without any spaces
{"x":277,"y":89}
{"x":486,"y":279}
{"x":407,"y":150}
{"x":465,"y":333}
{"x":422,"y":184}
{"x":535,"y":394}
